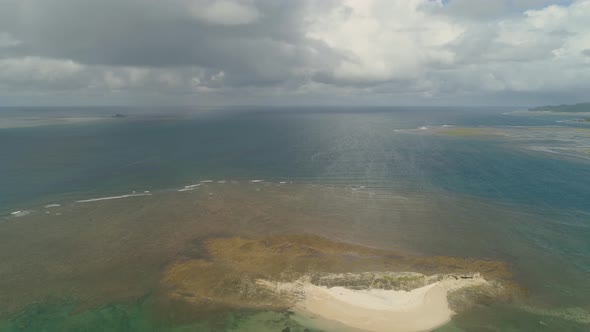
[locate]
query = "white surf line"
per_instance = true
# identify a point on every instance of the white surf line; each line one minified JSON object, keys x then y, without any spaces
{"x":112,"y":197}
{"x":206,"y":181}
{"x":189,"y":187}
{"x":20,"y":213}
{"x":256,"y":181}
{"x":49,"y":206}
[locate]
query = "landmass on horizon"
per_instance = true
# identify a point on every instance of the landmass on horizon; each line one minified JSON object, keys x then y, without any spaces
{"x":564,"y":108}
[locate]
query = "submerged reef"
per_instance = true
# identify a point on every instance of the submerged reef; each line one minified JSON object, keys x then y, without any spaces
{"x":237,"y":272}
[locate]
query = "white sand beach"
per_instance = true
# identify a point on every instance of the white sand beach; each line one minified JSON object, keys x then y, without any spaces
{"x":376,"y":310}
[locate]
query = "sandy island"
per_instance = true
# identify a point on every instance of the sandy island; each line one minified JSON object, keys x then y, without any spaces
{"x":421,"y":309}
{"x":334,"y":286}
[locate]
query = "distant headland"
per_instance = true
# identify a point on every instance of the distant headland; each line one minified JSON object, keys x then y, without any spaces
{"x":575,"y":108}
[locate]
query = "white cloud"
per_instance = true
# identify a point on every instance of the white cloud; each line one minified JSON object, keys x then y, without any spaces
{"x":161,"y":80}
{"x":539,"y":50}
{"x":384,"y":40}
{"x":43,"y":74}
{"x":36,"y":69}
{"x":114,"y":81}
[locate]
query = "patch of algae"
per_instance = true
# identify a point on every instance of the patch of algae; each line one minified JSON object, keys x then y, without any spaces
{"x":201,"y":282}
{"x":467,"y":132}
{"x":228,"y":275}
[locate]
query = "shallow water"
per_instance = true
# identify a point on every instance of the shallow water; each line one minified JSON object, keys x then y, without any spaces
{"x":95,"y":265}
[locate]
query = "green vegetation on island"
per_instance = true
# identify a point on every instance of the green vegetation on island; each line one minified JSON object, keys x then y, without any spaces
{"x":575,"y":108}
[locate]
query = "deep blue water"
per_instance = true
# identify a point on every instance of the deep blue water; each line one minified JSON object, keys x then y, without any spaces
{"x":328,"y":145}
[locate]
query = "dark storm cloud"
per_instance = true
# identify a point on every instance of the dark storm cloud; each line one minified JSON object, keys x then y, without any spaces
{"x":164,"y":34}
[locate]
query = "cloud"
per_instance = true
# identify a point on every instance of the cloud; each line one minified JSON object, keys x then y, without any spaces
{"x":387,"y":51}
{"x":477,"y":10}
{"x":253,"y":43}
{"x":377,"y":48}
{"x":223,"y":12}
{"x":34,"y":70}
{"x":6,"y":40}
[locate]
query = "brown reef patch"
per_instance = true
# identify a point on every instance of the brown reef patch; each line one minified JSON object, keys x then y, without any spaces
{"x":229,"y":277}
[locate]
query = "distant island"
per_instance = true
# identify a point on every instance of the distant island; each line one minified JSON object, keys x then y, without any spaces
{"x":575,"y":108}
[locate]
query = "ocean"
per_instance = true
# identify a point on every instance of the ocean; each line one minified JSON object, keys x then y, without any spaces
{"x":452,"y":195}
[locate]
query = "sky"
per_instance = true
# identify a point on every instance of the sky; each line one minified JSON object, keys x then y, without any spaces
{"x":294,"y":52}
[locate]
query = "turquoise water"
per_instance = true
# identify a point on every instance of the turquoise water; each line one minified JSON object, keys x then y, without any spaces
{"x":343,"y":146}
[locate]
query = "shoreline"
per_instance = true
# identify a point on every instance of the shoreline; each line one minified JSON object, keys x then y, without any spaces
{"x":375,"y":310}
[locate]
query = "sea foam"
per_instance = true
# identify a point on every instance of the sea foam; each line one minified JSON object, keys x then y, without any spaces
{"x":20,"y":213}
{"x":189,"y":187}
{"x":112,"y":197}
